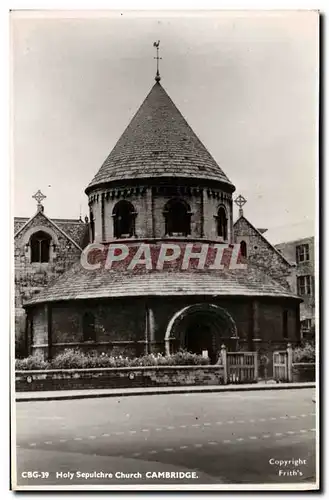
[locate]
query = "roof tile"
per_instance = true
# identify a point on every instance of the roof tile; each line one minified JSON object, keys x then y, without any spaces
{"x":80,"y":283}
{"x":158,"y":142}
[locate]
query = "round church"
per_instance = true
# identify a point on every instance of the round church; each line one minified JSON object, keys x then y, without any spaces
{"x":157,"y":275}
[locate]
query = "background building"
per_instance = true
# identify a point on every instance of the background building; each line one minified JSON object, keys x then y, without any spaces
{"x":301,"y":254}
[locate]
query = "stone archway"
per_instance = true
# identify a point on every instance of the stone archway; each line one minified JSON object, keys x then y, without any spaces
{"x":200,"y":327}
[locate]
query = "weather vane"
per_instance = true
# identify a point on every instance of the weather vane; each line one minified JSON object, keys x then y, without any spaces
{"x":156,"y":44}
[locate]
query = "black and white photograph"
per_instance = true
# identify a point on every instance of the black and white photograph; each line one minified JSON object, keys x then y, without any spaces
{"x":165,"y":321}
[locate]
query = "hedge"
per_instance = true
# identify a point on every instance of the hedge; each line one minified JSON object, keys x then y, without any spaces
{"x":304,"y":354}
{"x":74,"y":358}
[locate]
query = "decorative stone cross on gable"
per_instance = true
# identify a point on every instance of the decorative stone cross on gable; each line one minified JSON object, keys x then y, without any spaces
{"x":39,"y":197}
{"x":240,"y":201}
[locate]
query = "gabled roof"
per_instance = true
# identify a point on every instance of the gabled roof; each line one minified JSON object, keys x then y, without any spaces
{"x":21,"y":223}
{"x":263,"y":238}
{"x":158,"y":143}
{"x":288,"y":248}
{"x":296,"y":241}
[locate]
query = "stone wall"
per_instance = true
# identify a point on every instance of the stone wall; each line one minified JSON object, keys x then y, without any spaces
{"x":116,"y":331}
{"x":194,"y":202}
{"x":262,"y":253}
{"x":211,"y":205}
{"x":303,"y":372}
{"x":106,"y":378}
{"x":121,"y":325}
{"x":164,"y":310}
{"x":31,"y":277}
{"x":40,"y":327}
{"x":149,"y":204}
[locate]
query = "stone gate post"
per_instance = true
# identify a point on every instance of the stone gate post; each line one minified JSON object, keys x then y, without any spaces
{"x":224,"y":361}
{"x":289,"y":362}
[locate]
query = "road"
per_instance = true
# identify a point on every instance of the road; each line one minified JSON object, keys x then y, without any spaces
{"x":229,"y":438}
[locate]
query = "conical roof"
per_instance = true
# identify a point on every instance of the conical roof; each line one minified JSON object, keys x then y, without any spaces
{"x":158,"y":143}
{"x":81,"y":283}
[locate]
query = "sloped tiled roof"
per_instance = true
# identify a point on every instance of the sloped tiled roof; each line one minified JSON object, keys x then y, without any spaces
{"x":74,"y":228}
{"x":19,"y":222}
{"x":80,"y":283}
{"x":158,"y":142}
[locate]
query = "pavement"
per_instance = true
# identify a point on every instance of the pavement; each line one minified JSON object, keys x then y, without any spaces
{"x":218,"y":439}
{"x":151,"y":391}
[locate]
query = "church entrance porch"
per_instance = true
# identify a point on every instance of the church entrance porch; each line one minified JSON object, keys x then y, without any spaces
{"x":201,"y":327}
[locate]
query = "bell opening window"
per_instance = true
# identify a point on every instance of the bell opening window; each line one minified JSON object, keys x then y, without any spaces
{"x":221,"y":223}
{"x":285,"y":324}
{"x":124,"y":216}
{"x":40,"y":247}
{"x":177,"y":218}
{"x":92,"y":227}
{"x":243,"y":249}
{"x":88,"y":327}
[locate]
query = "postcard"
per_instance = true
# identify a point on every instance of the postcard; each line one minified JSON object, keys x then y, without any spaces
{"x":165,"y":319}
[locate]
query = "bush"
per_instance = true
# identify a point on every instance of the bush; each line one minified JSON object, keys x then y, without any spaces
{"x":179,"y":358}
{"x":34,"y":362}
{"x":304,"y":354}
{"x":187,"y":358}
{"x":74,"y":358}
{"x":71,"y":358}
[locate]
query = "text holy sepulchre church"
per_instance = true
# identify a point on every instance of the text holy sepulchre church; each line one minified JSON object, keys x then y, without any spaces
{"x":158,"y":186}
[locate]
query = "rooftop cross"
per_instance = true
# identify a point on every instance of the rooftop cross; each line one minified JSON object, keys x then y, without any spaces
{"x":240,"y":201}
{"x":156,"y":44}
{"x":39,"y":197}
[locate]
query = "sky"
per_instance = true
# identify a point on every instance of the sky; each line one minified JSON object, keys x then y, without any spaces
{"x":246,"y":82}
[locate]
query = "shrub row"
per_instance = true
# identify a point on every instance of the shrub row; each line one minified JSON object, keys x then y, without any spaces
{"x":74,"y":358}
{"x":304,"y":354}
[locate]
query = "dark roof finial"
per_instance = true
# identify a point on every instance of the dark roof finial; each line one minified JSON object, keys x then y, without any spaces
{"x":157,"y":76}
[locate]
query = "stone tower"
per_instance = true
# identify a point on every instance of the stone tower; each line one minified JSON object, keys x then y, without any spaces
{"x":159,"y":181}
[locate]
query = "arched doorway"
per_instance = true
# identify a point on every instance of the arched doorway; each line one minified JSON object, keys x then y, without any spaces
{"x":200,"y":327}
{"x":199,"y":337}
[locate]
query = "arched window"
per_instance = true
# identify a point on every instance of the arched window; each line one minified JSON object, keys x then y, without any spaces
{"x":178,"y":218}
{"x":88,"y":327}
{"x":40,"y":247}
{"x":243,"y":248}
{"x":285,"y":324}
{"x":92,"y":226}
{"x":123,"y":219}
{"x":222,"y":223}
